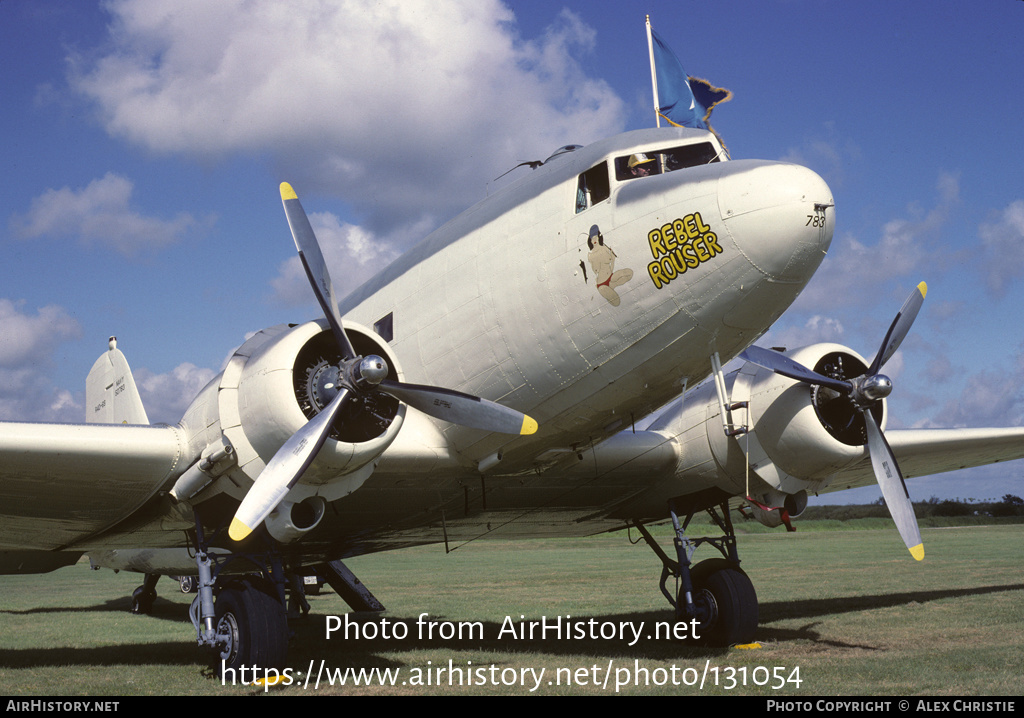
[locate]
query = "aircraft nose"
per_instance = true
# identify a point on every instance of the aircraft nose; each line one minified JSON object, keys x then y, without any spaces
{"x":781,"y":216}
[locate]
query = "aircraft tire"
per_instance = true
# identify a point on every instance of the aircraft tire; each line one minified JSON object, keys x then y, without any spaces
{"x":142,"y":601}
{"x":734,"y":599}
{"x":249,"y":612}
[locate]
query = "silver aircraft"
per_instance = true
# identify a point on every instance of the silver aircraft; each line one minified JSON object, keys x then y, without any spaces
{"x":492,"y":377}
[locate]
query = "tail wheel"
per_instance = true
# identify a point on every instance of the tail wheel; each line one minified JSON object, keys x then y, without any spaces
{"x":726,"y":602}
{"x":251,"y":624}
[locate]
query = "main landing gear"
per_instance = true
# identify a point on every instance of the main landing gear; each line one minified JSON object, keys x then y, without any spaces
{"x":245,"y":599}
{"x":247,"y":625}
{"x":715,"y":592}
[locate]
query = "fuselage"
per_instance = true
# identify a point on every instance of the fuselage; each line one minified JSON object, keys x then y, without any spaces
{"x":514,"y":300}
{"x":586,"y":297}
{"x":585,"y":294}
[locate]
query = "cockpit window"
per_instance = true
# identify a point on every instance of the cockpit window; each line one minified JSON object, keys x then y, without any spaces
{"x":593,"y":187}
{"x":657,"y":162}
{"x":638,"y":165}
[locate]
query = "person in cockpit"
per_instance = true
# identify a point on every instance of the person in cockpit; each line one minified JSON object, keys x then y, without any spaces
{"x":640,"y":165}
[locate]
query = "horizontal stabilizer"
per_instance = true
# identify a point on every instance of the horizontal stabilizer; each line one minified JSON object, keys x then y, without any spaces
{"x":111,"y":396}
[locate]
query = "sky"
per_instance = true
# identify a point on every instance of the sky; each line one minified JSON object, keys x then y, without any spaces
{"x":144,"y":143}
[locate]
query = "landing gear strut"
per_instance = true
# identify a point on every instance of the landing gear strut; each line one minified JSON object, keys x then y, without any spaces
{"x":248,"y":625}
{"x":715,"y":592}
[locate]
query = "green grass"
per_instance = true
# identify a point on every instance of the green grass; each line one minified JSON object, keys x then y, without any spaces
{"x":849,"y":608}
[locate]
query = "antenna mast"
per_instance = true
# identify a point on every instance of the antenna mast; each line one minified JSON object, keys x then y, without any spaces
{"x":654,"y":77}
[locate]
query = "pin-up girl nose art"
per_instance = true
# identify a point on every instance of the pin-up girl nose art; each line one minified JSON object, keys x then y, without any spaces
{"x":602,"y":261}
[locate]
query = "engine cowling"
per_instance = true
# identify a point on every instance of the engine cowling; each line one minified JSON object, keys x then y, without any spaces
{"x":278,"y":380}
{"x":797,"y":436}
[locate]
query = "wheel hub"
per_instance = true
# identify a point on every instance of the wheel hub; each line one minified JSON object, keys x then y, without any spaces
{"x":706,"y":609}
{"x":228,"y":637}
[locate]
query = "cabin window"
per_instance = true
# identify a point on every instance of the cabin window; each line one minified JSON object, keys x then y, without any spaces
{"x":660,"y":161}
{"x":385,"y":327}
{"x":593,"y":187}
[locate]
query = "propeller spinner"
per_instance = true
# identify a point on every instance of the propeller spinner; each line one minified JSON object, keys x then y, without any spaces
{"x":866,"y":391}
{"x":356,"y":375}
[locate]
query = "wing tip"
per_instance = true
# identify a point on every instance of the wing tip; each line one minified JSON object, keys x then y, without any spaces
{"x":917,"y":551}
{"x":287,"y":192}
{"x":923,"y":288}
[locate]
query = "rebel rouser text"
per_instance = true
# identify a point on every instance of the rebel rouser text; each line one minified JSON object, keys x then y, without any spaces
{"x":680,"y":245}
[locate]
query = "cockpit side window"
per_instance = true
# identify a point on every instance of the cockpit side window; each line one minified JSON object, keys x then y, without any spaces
{"x":593,"y":187}
{"x":632,"y":166}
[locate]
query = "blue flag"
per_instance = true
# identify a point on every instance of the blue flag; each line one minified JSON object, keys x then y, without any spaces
{"x":683,"y":101}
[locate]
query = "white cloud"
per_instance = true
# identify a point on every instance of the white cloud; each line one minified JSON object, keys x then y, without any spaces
{"x":27,"y":344}
{"x":28,"y":394}
{"x":855,"y":273}
{"x":100,"y":213}
{"x":352,"y":254}
{"x":817,"y":328}
{"x":405,"y":109}
{"x":1004,"y":247}
{"x":830,"y":156}
{"x":27,"y":340}
{"x":167,"y":396}
{"x":989,"y":398}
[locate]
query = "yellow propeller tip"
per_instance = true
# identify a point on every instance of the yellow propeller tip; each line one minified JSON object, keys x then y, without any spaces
{"x":529,"y":426}
{"x":917,"y":551}
{"x":238,"y":531}
{"x":287,"y":192}
{"x":923,"y":288}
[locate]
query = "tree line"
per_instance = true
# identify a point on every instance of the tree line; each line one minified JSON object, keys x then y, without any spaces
{"x":1009,"y":505}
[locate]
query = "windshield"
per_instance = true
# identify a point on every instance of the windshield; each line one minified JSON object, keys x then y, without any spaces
{"x":644,"y":164}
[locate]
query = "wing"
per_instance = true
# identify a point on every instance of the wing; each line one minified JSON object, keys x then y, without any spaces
{"x":62,"y":483}
{"x":922,"y":452}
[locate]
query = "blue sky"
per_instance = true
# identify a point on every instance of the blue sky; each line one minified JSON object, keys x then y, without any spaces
{"x":144,"y":143}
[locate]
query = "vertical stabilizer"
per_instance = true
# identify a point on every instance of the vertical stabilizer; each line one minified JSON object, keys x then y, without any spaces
{"x":111,"y":396}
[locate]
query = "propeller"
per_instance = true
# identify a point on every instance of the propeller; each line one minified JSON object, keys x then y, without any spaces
{"x":357,"y":376}
{"x":865,"y":392}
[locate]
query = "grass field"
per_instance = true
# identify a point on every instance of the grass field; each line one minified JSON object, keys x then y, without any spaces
{"x":846,"y":612}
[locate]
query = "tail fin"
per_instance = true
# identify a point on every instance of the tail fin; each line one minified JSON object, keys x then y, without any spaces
{"x":111,"y":396}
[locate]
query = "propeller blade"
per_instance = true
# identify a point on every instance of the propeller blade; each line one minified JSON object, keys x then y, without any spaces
{"x":889,"y":478}
{"x":781,"y":364}
{"x":899,"y":328}
{"x":459,"y":408}
{"x":316,"y":269}
{"x":287,"y":466}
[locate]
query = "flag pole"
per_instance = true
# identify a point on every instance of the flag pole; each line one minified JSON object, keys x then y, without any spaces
{"x":654,"y":77}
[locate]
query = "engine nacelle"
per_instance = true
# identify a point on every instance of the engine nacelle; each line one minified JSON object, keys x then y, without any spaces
{"x":798,"y":436}
{"x":275,"y":383}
